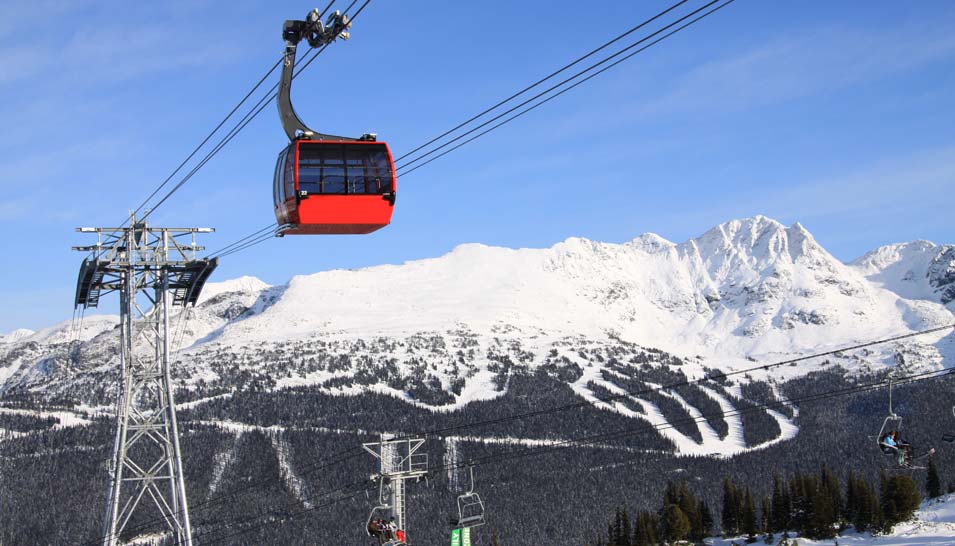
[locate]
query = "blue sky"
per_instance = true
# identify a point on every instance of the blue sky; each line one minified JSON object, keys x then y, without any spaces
{"x":838,"y":115}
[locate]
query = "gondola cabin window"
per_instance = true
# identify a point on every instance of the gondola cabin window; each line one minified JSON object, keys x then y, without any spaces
{"x":352,"y":168}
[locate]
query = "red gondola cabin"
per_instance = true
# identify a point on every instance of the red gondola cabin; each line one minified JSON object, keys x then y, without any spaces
{"x":334,"y":187}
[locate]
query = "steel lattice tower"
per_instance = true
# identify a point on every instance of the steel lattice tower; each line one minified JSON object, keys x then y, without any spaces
{"x":152,"y":270}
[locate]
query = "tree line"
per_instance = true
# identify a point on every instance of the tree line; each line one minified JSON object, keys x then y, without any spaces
{"x":816,"y":506}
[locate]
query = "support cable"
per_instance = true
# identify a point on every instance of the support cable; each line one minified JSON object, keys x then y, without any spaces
{"x":258,"y":240}
{"x":205,"y":140}
{"x":544,"y":79}
{"x":221,"y":251}
{"x":420,"y":157}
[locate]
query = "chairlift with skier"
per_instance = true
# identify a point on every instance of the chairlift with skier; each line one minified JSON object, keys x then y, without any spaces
{"x":891,"y":444}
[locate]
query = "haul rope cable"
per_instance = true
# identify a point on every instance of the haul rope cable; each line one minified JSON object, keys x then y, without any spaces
{"x":344,"y":457}
{"x":582,"y":442}
{"x":544,"y":79}
{"x":205,"y":140}
{"x":548,"y":99}
{"x":276,"y":230}
{"x":270,"y":225}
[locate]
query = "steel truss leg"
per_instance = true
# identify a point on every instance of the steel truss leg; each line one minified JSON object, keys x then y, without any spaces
{"x":147,"y":459}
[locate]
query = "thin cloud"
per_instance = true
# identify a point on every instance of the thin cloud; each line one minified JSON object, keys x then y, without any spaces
{"x":891,"y":189}
{"x":818,"y":60}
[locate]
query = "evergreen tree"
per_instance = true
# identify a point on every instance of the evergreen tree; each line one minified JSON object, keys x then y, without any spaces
{"x":899,"y":499}
{"x":494,"y":540}
{"x":620,"y":531}
{"x":626,"y":530}
{"x":780,"y":508}
{"x":645,"y":529}
{"x":861,"y":504}
{"x":706,"y":519}
{"x":766,"y":519}
{"x":800,"y":503}
{"x":671,"y":495}
{"x":933,"y":484}
{"x":821,"y":518}
{"x":833,"y":492}
{"x":690,"y":507}
{"x":748,"y":516}
{"x":731,"y":509}
{"x":852,"y":505}
{"x":675,"y":524}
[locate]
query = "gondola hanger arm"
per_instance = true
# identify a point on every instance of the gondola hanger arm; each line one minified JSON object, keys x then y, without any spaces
{"x":317,"y":34}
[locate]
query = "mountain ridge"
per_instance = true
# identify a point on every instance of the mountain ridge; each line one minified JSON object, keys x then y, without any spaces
{"x":746,"y":290}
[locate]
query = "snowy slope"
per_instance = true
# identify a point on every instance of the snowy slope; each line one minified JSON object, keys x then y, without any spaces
{"x":747,"y":288}
{"x":918,"y":270}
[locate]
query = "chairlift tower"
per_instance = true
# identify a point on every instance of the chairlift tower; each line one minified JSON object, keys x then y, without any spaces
{"x":152,"y":269}
{"x":399,"y":461}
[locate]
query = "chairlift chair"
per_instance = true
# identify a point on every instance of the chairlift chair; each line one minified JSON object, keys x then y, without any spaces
{"x":470,"y":507}
{"x":382,"y":511}
{"x":891,"y":423}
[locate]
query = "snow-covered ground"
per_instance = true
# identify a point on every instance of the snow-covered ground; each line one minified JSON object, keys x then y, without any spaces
{"x":933,"y":525}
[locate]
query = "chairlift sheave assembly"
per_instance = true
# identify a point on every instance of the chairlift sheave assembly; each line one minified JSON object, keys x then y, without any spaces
{"x":327,"y":184}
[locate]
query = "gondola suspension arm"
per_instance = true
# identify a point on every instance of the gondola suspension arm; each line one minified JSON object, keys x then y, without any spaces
{"x":317,"y":34}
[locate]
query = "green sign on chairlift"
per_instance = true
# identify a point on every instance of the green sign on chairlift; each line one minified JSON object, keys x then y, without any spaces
{"x":461,"y":537}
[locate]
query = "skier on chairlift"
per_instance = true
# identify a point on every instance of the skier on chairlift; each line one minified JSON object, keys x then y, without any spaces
{"x":904,"y":451}
{"x":890,"y":444}
{"x":376,"y":528}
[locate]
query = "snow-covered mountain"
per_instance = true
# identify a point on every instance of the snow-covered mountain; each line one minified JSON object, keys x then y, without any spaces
{"x":15,"y":335}
{"x":918,"y":270}
{"x":747,"y":290}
